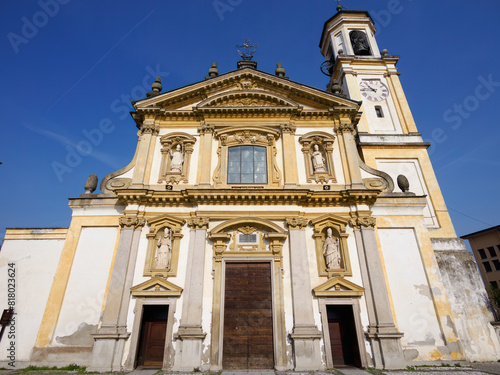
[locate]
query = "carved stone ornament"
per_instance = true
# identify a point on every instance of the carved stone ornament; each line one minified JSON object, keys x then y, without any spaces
{"x":176,"y":151}
{"x":206,"y":128}
{"x":246,"y":84}
{"x":288,"y":128}
{"x":330,"y":238}
{"x":245,"y":102}
{"x":197,"y":222}
{"x":149,"y":128}
{"x":132,"y":222}
{"x":363,"y":222}
{"x":317,"y":148}
{"x":297,"y":222}
{"x":162,"y":256}
{"x":344,"y":128}
{"x":90,"y":184}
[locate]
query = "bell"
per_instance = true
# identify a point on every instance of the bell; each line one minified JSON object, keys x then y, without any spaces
{"x":360,"y":43}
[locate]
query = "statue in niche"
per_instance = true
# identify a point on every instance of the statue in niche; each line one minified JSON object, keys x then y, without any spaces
{"x":176,"y":160}
{"x":360,"y":43}
{"x":164,"y":250}
{"x":319,"y":162}
{"x":331,"y":251}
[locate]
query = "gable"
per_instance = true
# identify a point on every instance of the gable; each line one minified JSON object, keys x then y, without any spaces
{"x":338,"y":287}
{"x":156,"y":287}
{"x":246,"y":88}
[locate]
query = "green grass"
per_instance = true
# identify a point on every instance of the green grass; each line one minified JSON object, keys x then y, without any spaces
{"x":71,"y":367}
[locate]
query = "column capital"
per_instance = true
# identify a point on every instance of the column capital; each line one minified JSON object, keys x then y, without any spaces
{"x":197,"y":222}
{"x":133,"y":222}
{"x":206,"y":128}
{"x":297,"y":222}
{"x":288,"y":128}
{"x":344,"y":128}
{"x":363,"y":222}
{"x":149,"y":128}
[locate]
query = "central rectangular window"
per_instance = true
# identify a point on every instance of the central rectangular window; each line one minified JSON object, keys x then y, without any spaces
{"x":247,"y":165}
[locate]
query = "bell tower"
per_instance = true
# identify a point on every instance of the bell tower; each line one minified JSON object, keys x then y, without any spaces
{"x":354,"y":62}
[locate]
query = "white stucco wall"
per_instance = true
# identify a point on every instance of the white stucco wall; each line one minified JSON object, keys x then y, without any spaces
{"x":86,"y":286}
{"x":411,"y":295}
{"x":35,"y":266}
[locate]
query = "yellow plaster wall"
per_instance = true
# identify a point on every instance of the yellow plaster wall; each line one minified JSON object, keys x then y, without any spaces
{"x":446,"y":229}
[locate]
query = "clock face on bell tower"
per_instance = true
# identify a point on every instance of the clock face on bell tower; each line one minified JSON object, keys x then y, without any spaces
{"x":373,"y":90}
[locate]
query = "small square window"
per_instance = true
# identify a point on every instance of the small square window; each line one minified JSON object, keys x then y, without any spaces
{"x":496,"y":263}
{"x":379,"y":112}
{"x":482,"y":254}
{"x":487,"y":266}
{"x":491,"y":249}
{"x":494,"y":284}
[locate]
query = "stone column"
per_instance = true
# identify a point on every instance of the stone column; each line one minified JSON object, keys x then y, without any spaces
{"x":205,"y":155}
{"x":190,"y":330}
{"x":346,"y":131}
{"x":111,"y":336}
{"x":382,"y":332}
{"x":147,"y":135}
{"x":289,"y":155}
{"x":305,"y":334}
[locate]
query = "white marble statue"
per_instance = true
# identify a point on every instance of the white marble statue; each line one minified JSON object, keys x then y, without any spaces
{"x":164,"y":250}
{"x":177,"y":159}
{"x":319,"y":162}
{"x":331,"y":250}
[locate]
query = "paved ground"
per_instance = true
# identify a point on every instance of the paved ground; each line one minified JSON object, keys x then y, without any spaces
{"x":471,"y":369}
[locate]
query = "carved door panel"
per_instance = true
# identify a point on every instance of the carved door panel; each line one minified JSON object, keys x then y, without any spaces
{"x":248,"y":323}
{"x":153,"y":335}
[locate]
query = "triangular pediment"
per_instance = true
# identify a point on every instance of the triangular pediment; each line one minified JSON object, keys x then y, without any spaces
{"x":246,"y":88}
{"x":156,"y":287}
{"x":338,"y":287}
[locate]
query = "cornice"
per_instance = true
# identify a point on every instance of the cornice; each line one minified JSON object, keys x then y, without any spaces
{"x":261,"y":197}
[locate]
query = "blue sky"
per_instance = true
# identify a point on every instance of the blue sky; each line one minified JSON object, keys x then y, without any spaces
{"x":70,"y":67}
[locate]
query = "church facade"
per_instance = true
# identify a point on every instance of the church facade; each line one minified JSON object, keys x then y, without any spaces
{"x":261,"y":224}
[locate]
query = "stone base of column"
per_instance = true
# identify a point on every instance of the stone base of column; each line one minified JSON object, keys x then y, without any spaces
{"x":108,"y":349}
{"x":306,"y":348}
{"x":190,"y":348}
{"x":386,"y":344}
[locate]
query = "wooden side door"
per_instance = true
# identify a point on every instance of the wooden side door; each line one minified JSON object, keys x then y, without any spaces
{"x":343,"y":336}
{"x":153,"y":335}
{"x":248,"y":323}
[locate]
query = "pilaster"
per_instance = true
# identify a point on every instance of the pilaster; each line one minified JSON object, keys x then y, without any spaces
{"x":190,"y":331}
{"x":382,"y":332}
{"x":346,"y":131}
{"x":305,"y":334}
{"x":402,"y":107}
{"x":111,"y":336}
{"x":205,"y":157}
{"x":147,"y":134}
{"x":289,"y":155}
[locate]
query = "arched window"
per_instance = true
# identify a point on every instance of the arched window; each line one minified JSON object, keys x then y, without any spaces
{"x":247,"y":165}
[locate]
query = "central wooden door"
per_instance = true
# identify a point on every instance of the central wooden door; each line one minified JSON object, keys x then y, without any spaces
{"x":153,"y":334}
{"x":248,"y":317}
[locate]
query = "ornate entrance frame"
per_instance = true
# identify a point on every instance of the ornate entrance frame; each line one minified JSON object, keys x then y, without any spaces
{"x":168,"y":354}
{"x":273,"y":236}
{"x":338,"y":291}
